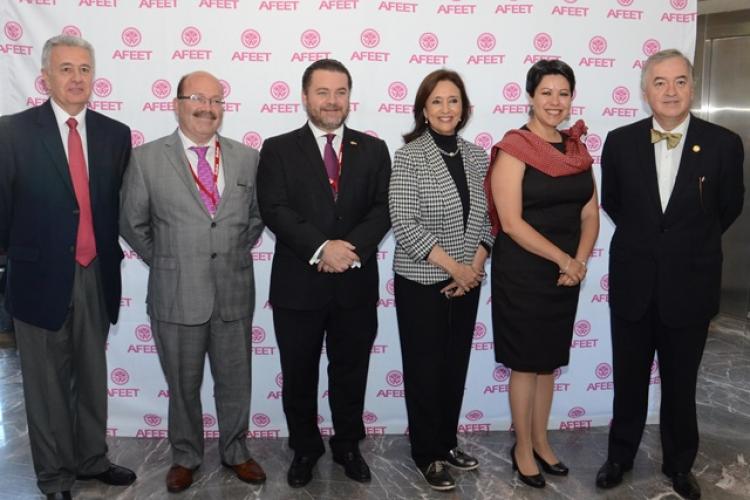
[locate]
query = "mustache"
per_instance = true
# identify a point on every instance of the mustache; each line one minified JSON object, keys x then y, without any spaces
{"x":205,"y":114}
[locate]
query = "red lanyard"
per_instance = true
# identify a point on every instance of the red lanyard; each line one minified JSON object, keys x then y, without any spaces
{"x":335,"y":183}
{"x":212,"y":193}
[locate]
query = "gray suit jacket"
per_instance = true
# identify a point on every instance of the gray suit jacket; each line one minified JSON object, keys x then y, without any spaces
{"x":426,"y":209}
{"x":197,"y":264}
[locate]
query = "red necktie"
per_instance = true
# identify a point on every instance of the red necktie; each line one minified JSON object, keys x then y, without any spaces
{"x":85,"y":244}
{"x":332,"y":164}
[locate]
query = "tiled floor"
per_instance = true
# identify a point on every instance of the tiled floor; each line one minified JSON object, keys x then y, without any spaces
{"x":722,"y":465}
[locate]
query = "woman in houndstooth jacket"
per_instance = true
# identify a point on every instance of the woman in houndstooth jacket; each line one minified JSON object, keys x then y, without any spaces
{"x":440,"y":221}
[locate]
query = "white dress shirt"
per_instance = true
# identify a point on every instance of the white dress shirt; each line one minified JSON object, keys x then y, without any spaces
{"x":192,"y":157}
{"x":61,"y":117}
{"x":668,"y":160}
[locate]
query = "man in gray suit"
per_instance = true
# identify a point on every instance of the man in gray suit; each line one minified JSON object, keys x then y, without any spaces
{"x":189,"y":209}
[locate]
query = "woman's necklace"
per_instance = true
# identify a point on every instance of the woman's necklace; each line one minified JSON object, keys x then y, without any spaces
{"x":449,"y":154}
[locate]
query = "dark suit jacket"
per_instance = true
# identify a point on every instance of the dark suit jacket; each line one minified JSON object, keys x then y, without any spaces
{"x":39,"y":212}
{"x":671,"y":258}
{"x":296,"y":203}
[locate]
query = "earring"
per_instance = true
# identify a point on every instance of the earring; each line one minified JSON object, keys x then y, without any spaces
{"x":426,"y":122}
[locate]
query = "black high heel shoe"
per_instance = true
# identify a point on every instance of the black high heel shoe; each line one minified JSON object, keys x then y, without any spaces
{"x":535,"y":481}
{"x":558,"y":469}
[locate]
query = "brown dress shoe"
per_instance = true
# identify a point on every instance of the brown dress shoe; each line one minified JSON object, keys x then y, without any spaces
{"x":179,"y":478}
{"x":250,"y":471}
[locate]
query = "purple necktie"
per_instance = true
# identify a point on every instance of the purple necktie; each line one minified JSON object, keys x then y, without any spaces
{"x":332,"y":164}
{"x":209,"y":192}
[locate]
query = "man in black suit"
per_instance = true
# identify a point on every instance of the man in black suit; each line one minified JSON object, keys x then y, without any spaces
{"x":60,"y":171}
{"x":323,"y":191}
{"x":672,"y":184}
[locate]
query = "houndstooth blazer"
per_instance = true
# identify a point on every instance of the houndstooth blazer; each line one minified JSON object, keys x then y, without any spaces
{"x":426,"y":210}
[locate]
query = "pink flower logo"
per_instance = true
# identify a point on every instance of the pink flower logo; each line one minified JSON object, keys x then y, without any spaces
{"x":620,"y":95}
{"x":321,"y":419}
{"x":71,"y":30}
{"x":474,"y":415}
{"x":161,"y":88}
{"x":280,"y":380}
{"x":258,"y":335}
{"x":261,"y":420}
{"x":253,"y":140}
{"x":603,"y":370}
{"x":480,"y":330}
{"x":131,"y":36}
{"x":120,"y":376}
{"x":310,"y":39}
{"x":651,"y":47}
{"x":226,"y":89}
{"x":151,"y":419}
{"x":370,"y":38}
{"x":512,"y":91}
{"x":258,"y":243}
{"x":582,"y":328}
{"x":371,"y":133}
{"x":394,"y":378}
{"x":593,"y":142}
{"x":279,"y":90}
{"x":483,"y":140}
{"x":625,"y":3}
{"x":557,"y":373}
{"x":40,"y":85}
{"x":576,"y":412}
{"x":13,"y":30}
{"x":369,"y":417}
{"x":655,"y":366}
{"x":143,"y":332}
{"x":542,"y":42}
{"x":250,"y":38}
{"x":102,"y":87}
{"x":390,"y":287}
{"x":597,"y":44}
{"x":604,"y":282}
{"x":500,"y":373}
{"x":191,"y":36}
{"x":486,"y":42}
{"x":678,"y":4}
{"x":428,"y":41}
{"x":208,"y":420}
{"x":137,"y":139}
{"x":397,"y":91}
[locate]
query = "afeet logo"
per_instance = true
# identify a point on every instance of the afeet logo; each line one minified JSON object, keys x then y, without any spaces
{"x":131,"y":37}
{"x":137,"y":138}
{"x":252,"y":139}
{"x":250,"y":38}
{"x":13,"y":31}
{"x":397,"y":91}
{"x":394,"y":378}
{"x":598,"y":45}
{"x":501,"y":373}
{"x":119,"y":376}
{"x":102,"y":87}
{"x":486,"y":42}
{"x":369,"y":38}
{"x":258,"y":335}
{"x":582,"y":328}
{"x":512,"y":91}
{"x":279,"y":90}
{"x":143,"y":333}
{"x":152,"y":420}
{"x":428,"y":41}
{"x":603,"y":371}
{"x":483,"y":140}
{"x":542,"y":42}
{"x":161,"y":89}
{"x":191,"y":36}
{"x":261,"y":420}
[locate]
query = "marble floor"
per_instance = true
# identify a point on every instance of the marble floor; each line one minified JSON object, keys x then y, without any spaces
{"x":722,"y":466}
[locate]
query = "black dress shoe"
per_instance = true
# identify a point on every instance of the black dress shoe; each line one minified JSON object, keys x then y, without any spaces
{"x":59,"y":495}
{"x":685,"y":484}
{"x":535,"y":481}
{"x":114,"y":476}
{"x":610,"y":474}
{"x":300,"y":471}
{"x":459,"y":460}
{"x":355,"y":466}
{"x":558,"y":469}
{"x":437,"y":476}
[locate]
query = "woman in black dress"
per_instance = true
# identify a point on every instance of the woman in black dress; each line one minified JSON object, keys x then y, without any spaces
{"x":547,"y":212}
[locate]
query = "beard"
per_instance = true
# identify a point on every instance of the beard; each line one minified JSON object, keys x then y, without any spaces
{"x":327,"y":122}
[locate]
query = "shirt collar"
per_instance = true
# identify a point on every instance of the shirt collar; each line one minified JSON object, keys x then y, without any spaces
{"x":187,"y":143}
{"x":61,"y":116}
{"x":679,"y":129}
{"x":317,"y":132}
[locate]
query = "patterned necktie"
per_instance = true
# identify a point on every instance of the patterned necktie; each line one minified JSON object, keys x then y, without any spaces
{"x":85,"y":242}
{"x":672,"y":138}
{"x":209,"y":193}
{"x":332,"y":164}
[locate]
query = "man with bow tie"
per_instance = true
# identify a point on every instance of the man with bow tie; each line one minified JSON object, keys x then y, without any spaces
{"x":672,"y":184}
{"x":323,"y":191}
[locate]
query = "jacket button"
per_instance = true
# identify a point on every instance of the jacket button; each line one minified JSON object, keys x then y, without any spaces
{"x":339,"y":218}
{"x":76,"y":211}
{"x":213,"y":255}
{"x":213,"y":224}
{"x":72,"y":249}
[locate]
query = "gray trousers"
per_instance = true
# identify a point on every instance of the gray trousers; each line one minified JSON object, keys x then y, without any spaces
{"x":182,"y":353}
{"x":65,"y":387}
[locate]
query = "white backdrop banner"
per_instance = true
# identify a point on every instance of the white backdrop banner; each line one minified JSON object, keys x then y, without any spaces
{"x":259,"y":48}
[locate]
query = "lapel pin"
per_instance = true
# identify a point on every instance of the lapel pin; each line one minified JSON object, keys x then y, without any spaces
{"x":696,"y":148}
{"x":353,"y":143}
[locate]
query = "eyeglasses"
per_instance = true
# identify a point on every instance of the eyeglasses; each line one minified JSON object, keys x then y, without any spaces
{"x":202,"y":100}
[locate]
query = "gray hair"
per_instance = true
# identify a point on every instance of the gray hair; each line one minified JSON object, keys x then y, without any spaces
{"x":663,"y":55}
{"x":65,"y":41}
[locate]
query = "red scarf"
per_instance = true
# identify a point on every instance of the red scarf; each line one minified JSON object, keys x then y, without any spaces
{"x":538,"y":153}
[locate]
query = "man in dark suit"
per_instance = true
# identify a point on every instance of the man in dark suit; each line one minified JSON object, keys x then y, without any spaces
{"x":61,"y":167}
{"x":323,"y":191}
{"x":672,"y":184}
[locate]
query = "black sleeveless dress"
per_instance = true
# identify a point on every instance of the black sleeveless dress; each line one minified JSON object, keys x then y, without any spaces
{"x":532,"y":317}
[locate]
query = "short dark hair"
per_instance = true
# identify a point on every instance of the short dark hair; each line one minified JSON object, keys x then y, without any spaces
{"x":545,"y":67}
{"x":181,"y":84}
{"x":423,"y":93}
{"x":327,"y":65}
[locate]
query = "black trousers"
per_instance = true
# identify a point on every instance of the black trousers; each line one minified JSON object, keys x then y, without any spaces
{"x":435,"y":334}
{"x":679,"y":351}
{"x":349,"y":335}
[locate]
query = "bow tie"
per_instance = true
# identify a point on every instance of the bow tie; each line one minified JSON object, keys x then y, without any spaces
{"x":673,"y":139}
